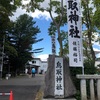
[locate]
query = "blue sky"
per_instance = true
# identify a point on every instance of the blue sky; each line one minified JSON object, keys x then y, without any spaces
{"x":43,"y":24}
{"x":43,"y":21}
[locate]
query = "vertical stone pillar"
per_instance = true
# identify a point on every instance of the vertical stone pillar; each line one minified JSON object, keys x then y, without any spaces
{"x":92,"y":93}
{"x":83,"y":89}
{"x":98,"y":89}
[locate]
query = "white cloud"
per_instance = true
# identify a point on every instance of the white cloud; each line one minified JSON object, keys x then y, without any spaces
{"x":43,"y":57}
{"x":45,"y":3}
{"x":37,"y":14}
{"x":18,"y":12}
{"x":96,"y":50}
{"x":25,"y":1}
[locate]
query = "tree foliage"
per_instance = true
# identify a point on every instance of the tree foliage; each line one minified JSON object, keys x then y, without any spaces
{"x":90,"y":19}
{"x":56,"y":7}
{"x":21,"y":37}
{"x":90,"y":16}
{"x":58,"y":21}
{"x":97,"y":13}
{"x":7,"y":7}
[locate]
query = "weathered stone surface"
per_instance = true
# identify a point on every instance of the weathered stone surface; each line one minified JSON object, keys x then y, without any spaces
{"x":69,"y":88}
{"x":49,"y":78}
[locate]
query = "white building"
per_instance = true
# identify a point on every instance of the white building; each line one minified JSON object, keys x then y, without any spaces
{"x":40,"y":66}
{"x":97,"y":53}
{"x":44,"y":66}
{"x":97,"y":63}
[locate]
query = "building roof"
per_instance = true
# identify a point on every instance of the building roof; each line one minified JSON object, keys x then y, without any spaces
{"x":36,"y":59}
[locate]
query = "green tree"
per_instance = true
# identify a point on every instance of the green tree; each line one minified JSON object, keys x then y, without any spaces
{"x":63,"y":35}
{"x":7,"y":7}
{"x":58,"y":21}
{"x":56,"y":7}
{"x":97,"y":13}
{"x":90,"y":19}
{"x":22,"y":37}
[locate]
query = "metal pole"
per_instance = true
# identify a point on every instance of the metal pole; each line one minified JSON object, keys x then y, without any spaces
{"x":2,"y":58}
{"x":83,"y":70}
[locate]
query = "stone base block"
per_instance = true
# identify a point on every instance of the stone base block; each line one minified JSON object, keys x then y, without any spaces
{"x":59,"y":99}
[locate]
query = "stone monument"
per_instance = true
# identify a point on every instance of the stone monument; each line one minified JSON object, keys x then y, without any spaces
{"x":69,"y":88}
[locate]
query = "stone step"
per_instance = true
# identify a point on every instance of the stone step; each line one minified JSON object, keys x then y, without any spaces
{"x":59,"y":99}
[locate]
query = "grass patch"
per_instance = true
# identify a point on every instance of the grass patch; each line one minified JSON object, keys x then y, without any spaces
{"x":39,"y":95}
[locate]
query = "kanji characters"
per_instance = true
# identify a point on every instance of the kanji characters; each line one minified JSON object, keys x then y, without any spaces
{"x":59,"y":72}
{"x":73,"y":17}
{"x":59,"y":87}
{"x":72,"y":5}
{"x":74,"y":32}
{"x":59,"y":76}
{"x":58,"y":65}
{"x":58,"y":79}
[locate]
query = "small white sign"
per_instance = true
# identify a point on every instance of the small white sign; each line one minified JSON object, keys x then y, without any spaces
{"x":59,"y":84}
{"x":53,"y":39}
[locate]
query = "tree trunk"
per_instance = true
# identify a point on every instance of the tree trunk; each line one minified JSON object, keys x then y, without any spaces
{"x":60,"y":41}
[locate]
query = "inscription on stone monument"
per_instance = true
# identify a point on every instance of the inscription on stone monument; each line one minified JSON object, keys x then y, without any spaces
{"x":59,"y":84}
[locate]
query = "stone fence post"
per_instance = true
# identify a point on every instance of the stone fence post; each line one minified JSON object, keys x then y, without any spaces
{"x":83,"y":88}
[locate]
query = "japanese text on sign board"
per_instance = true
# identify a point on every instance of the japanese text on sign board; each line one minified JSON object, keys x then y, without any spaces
{"x":73,"y":18}
{"x":74,"y":33}
{"x":53,"y":44}
{"x":59,"y":76}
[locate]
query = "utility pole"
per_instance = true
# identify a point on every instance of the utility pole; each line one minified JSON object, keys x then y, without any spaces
{"x":1,"y":56}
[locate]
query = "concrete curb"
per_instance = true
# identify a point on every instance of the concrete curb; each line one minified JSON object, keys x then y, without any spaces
{"x":60,"y":99}
{"x":40,"y":94}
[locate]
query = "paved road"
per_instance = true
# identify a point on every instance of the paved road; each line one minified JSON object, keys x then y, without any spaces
{"x":23,"y":88}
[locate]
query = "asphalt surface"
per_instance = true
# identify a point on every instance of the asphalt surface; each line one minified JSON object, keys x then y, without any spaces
{"x":23,"y":87}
